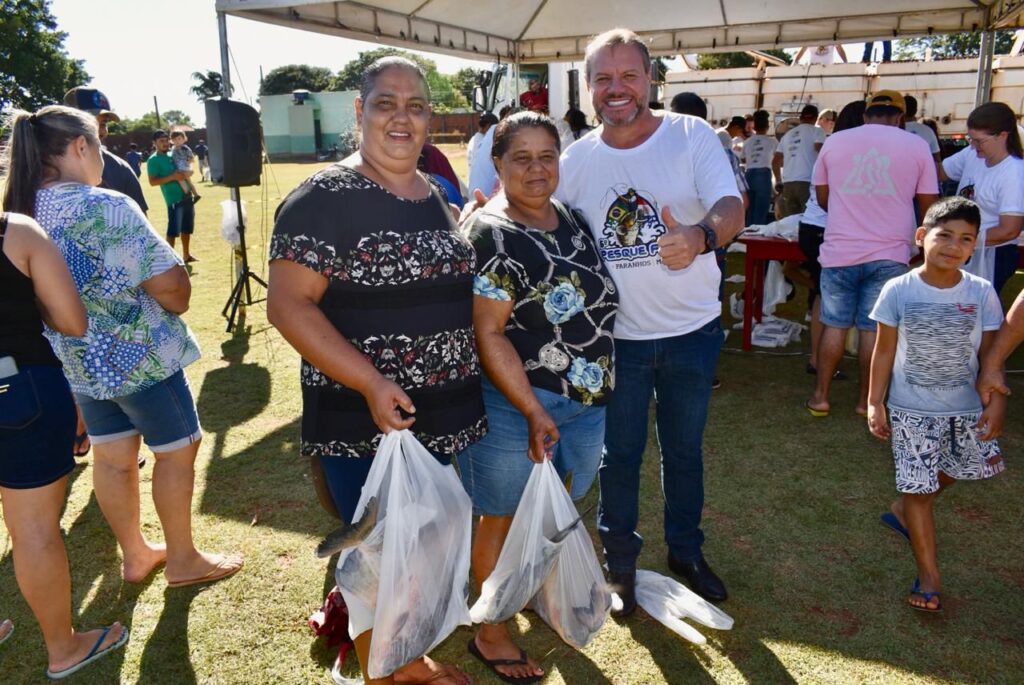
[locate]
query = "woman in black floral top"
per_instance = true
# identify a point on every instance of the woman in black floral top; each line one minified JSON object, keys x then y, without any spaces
{"x":543,"y":314}
{"x":372,"y":283}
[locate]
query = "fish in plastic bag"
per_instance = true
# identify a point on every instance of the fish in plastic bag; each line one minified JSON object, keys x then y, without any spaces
{"x":527,"y":556}
{"x":575,"y":599}
{"x":669,"y":601}
{"x":407,"y":579}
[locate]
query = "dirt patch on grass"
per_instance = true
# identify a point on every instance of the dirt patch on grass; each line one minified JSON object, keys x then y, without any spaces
{"x":846,"y":622}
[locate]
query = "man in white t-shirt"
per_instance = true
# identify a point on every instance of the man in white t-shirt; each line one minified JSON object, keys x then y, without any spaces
{"x":659,"y":196}
{"x":794,"y":160}
{"x":733,"y":134}
{"x":482,"y":173}
{"x":867,"y":179}
{"x":912,"y":125}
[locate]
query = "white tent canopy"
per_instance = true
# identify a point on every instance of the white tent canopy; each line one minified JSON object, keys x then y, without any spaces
{"x":558,"y":30}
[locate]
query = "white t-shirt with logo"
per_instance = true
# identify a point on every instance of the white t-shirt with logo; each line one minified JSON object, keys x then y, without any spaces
{"x":798,"y":151}
{"x":926,"y":132}
{"x":758,"y":150}
{"x":997,"y":190}
{"x":622,"y":192}
{"x":939,"y":334}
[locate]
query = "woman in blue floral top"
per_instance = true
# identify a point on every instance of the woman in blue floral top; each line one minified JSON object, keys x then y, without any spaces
{"x":543,"y":316}
{"x":126,"y":372}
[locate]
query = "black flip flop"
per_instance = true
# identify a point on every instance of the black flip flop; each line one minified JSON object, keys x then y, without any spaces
{"x":494,"y":663}
{"x":82,"y":439}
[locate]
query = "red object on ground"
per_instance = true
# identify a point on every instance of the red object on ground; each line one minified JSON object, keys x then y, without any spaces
{"x":759,"y":250}
{"x":331,"y":621}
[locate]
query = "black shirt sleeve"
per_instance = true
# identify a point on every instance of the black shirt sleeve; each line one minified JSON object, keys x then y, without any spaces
{"x":118,"y":176}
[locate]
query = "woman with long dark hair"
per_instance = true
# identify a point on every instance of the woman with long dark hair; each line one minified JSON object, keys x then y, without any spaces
{"x":37,"y":429}
{"x":127,"y":370}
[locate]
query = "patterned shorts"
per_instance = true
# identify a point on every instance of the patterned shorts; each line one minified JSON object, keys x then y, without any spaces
{"x":923,"y":445}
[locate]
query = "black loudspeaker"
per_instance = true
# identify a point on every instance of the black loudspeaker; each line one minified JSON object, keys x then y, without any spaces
{"x":235,"y":140}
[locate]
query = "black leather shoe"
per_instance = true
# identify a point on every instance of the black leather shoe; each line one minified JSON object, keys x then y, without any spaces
{"x":700,"y":578}
{"x":624,"y":585}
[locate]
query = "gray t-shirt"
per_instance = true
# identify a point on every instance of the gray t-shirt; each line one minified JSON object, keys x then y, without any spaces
{"x":939,"y":335}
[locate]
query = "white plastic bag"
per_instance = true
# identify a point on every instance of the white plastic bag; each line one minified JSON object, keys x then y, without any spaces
{"x":776,"y":289}
{"x":527,"y":556}
{"x":229,"y":222}
{"x":668,"y":602}
{"x":418,"y":554}
{"x":575,"y":599}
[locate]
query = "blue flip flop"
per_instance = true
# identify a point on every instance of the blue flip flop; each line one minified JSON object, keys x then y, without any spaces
{"x":928,"y":596}
{"x":889,"y":520}
{"x":94,"y":654}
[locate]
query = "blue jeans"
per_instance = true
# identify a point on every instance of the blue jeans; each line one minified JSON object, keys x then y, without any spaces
{"x":849,"y":293}
{"x":494,"y":471}
{"x":678,"y":371}
{"x":760,"y":182}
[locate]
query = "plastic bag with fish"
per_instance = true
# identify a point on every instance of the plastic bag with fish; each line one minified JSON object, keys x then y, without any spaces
{"x":417,"y":551}
{"x":574,"y":599}
{"x":528,"y":554}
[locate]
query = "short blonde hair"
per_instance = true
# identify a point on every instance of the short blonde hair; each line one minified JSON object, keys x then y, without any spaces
{"x":616,"y":37}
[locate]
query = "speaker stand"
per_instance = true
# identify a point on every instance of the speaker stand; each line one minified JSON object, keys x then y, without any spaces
{"x":241,"y":294}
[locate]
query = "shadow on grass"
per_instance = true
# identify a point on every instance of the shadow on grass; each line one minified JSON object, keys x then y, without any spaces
{"x":166,"y":657}
{"x":267,"y":482}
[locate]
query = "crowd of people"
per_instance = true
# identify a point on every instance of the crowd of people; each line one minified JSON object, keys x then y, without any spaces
{"x":578,"y":282}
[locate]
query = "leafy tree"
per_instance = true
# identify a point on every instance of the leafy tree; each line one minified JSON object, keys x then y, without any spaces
{"x":733,"y":60}
{"x":208,"y":85}
{"x":949,"y":45}
{"x":147,"y":122}
{"x":350,"y":74}
{"x":464,"y":81}
{"x":35,"y":69}
{"x":283,"y":80}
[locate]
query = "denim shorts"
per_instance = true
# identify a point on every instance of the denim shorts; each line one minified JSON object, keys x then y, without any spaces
{"x":494,"y":471}
{"x":849,"y":293}
{"x":181,"y":218}
{"x":164,"y":414}
{"x":37,"y":427}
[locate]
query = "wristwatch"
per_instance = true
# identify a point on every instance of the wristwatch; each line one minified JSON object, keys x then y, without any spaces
{"x":710,"y":237}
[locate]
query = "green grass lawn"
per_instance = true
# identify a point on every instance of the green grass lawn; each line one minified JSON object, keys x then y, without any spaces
{"x":817,"y":585}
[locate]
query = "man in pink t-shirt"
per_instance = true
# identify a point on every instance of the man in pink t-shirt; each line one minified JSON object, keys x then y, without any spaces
{"x":867,"y":179}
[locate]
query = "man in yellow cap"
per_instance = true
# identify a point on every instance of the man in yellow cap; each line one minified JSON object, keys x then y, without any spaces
{"x":867,"y":179}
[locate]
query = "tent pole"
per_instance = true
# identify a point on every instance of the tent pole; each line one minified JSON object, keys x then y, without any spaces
{"x":985,"y":57}
{"x":225,"y":64}
{"x":225,"y":76}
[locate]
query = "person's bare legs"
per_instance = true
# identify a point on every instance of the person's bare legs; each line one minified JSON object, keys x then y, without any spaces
{"x":173,"y":484}
{"x":32,"y":517}
{"x":493,"y":640}
{"x":186,"y":238}
{"x":362,"y":645}
{"x":816,"y":330}
{"x":919,"y":513}
{"x":115,"y":480}
{"x":865,"y":347}
{"x":422,"y":670}
{"x":830,"y":352}
{"x":897,"y":507}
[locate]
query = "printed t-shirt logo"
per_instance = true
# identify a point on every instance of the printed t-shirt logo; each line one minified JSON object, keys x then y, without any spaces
{"x":869,"y":176}
{"x":631,"y":225}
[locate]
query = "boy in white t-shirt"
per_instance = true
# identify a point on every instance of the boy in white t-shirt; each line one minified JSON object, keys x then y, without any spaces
{"x":932,"y":324}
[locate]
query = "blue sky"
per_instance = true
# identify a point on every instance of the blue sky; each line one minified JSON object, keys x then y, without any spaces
{"x":138,"y":49}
